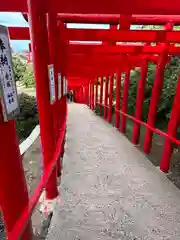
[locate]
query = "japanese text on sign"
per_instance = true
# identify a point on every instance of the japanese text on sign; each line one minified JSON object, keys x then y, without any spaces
{"x":51,"y":83}
{"x":8,"y":89}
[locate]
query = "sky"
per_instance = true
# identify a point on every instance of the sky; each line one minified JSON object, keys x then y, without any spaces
{"x":16,"y":19}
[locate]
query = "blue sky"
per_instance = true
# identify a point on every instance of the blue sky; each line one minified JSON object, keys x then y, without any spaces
{"x":14,"y":19}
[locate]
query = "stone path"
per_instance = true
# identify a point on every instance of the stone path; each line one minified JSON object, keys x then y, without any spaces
{"x":109,"y":190}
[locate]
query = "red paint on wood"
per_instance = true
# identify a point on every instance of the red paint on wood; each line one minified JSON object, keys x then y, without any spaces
{"x":172,"y":131}
{"x":118,"y":96}
{"x":53,"y":43}
{"x":92,"y":95}
{"x":96,"y":96}
{"x":156,"y":91}
{"x":14,"y":193}
{"x":110,"y":98}
{"x":101,"y":92}
{"x":139,"y":101}
{"x":125,"y":100}
{"x":123,"y":35}
{"x":106,"y":7}
{"x":106,"y":97}
{"x":40,"y":42}
{"x":115,"y":19}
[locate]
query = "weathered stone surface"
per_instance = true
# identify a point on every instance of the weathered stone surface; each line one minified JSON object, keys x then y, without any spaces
{"x":109,"y":190}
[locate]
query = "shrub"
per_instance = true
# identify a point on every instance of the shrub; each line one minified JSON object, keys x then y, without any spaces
{"x":28,"y":117}
{"x":99,"y":111}
{"x":167,"y":94}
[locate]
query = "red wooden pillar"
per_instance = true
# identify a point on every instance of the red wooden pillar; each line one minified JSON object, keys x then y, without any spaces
{"x":87,"y":94}
{"x":63,"y":103}
{"x":13,"y":189}
{"x":92,"y":95}
{"x":96,"y":97}
{"x":106,"y":97}
{"x":118,"y":96}
{"x":39,"y":39}
{"x":61,"y":59}
{"x":65,"y":60}
{"x":63,"y":44}
{"x":125,"y":100}
{"x":139,"y":101}
{"x":101,"y":92}
{"x":172,"y":131}
{"x":86,"y":91}
{"x":110,"y":98}
{"x":81,"y":94}
{"x":156,"y":91}
{"x":53,"y":44}
{"x":125,"y":24}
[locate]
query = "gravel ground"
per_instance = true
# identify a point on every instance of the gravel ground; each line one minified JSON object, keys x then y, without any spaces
{"x":156,"y":152}
{"x":33,"y":171}
{"x":109,"y":190}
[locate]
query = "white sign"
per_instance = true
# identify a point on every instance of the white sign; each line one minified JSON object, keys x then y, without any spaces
{"x":59,"y":85}
{"x":51,"y":83}
{"x":8,"y":91}
{"x":64,"y":86}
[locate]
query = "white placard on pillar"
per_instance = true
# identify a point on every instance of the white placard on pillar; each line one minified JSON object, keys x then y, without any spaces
{"x":8,"y":90}
{"x":59,"y":86}
{"x":66,"y":86}
{"x":51,"y":83}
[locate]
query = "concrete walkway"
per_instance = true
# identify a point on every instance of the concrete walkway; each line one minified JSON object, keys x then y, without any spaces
{"x":109,"y":190}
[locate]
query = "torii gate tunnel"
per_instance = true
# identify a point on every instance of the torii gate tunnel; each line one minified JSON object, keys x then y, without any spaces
{"x":88,"y":60}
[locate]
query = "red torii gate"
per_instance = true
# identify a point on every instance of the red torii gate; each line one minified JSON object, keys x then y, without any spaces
{"x":115,"y":19}
{"x":100,"y":7}
{"x":53,"y":46}
{"x":22,"y":33}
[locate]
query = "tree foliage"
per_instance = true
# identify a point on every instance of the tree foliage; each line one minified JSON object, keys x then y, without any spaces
{"x":28,"y":117}
{"x":19,"y":68}
{"x":23,"y":72}
{"x":167,"y":94}
{"x":28,"y":77}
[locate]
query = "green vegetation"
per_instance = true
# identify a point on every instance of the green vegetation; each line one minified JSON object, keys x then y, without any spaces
{"x":28,"y":77}
{"x":28,"y":117}
{"x":23,"y":72}
{"x":19,"y":68}
{"x":167,"y":94}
